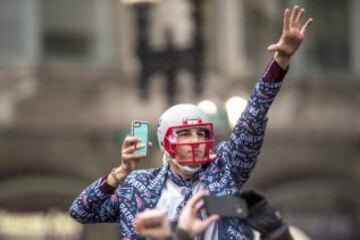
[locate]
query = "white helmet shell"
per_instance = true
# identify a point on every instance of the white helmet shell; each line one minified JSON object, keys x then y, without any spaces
{"x":175,"y":116}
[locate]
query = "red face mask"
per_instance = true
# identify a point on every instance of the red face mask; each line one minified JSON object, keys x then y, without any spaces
{"x":191,"y":143}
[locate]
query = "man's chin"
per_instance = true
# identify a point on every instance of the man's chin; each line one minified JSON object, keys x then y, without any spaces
{"x":194,"y":165}
{"x":191,"y":169}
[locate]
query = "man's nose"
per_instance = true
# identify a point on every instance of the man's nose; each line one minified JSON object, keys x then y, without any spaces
{"x":194,"y":136}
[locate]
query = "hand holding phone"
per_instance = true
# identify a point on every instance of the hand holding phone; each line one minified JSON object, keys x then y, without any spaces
{"x":140,"y":129}
{"x":226,"y":206}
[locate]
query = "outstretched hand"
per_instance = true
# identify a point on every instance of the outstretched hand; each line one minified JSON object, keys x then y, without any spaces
{"x":189,"y":221}
{"x":292,"y":36}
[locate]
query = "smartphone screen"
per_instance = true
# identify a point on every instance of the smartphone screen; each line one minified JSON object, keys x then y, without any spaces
{"x":140,"y":129}
{"x":226,"y":206}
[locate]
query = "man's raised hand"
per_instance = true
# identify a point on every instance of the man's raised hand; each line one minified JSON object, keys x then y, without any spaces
{"x":292,"y":36}
{"x":129,"y":160}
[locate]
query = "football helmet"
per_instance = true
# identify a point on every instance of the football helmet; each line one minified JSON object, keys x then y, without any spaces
{"x":179,"y":118}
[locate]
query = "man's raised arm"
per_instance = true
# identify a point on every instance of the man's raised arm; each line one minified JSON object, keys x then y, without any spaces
{"x":246,"y":140}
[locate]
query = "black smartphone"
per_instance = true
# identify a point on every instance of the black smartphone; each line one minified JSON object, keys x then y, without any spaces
{"x":140,"y":129}
{"x":226,"y":206}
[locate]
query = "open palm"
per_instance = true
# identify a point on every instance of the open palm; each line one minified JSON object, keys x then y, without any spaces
{"x":293,"y":33}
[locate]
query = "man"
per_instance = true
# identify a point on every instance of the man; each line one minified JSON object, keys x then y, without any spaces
{"x":191,"y":161}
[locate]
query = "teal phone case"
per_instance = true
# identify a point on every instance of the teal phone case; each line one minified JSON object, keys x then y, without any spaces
{"x":140,"y":129}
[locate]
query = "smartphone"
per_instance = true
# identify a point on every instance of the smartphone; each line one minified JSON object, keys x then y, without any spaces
{"x":226,"y":206}
{"x":140,"y":129}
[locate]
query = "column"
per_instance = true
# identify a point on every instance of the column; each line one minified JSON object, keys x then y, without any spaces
{"x":19,"y":43}
{"x":104,"y":21}
{"x":354,"y":8}
{"x":231,"y":41}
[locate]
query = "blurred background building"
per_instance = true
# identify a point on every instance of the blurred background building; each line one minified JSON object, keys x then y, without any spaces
{"x":74,"y":73}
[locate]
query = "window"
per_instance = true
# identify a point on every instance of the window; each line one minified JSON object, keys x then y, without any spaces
{"x":68,"y":28}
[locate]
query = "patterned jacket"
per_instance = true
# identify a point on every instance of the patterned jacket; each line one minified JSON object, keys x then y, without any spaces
{"x":224,"y":176}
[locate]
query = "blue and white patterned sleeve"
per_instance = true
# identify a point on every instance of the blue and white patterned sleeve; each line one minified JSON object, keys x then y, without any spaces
{"x":98,"y":203}
{"x":242,"y":149}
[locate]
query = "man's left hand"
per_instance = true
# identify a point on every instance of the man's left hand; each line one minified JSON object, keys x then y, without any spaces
{"x":292,"y":36}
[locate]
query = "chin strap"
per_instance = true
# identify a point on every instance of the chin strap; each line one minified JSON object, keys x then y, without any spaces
{"x":191,"y":170}
{"x":187,"y":169}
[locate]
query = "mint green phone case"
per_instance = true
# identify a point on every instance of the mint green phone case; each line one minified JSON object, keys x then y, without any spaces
{"x":140,"y":129}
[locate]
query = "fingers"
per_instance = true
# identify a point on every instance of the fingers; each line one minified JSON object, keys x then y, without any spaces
{"x":198,"y":206}
{"x":286,"y":20}
{"x":152,"y":223}
{"x":299,"y":16}
{"x":295,"y":19}
{"x":306,"y":25}
{"x":145,"y":231}
{"x":274,"y":47}
{"x":203,"y":224}
{"x":130,"y":157}
{"x":196,"y":198}
{"x":149,"y":213}
{"x":128,"y":153}
{"x":151,"y":217}
{"x":294,"y":15}
{"x":130,"y":144}
{"x":210,"y":220}
{"x":130,"y":140}
{"x":132,"y":148}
